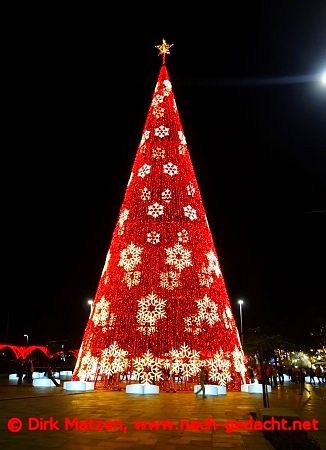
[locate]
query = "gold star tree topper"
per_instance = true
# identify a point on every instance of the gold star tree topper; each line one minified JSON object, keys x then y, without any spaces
{"x":164,"y":49}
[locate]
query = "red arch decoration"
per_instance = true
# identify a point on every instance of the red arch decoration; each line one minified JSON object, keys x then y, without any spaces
{"x":24,"y":352}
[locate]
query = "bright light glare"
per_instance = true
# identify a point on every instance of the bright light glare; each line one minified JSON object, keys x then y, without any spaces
{"x":90,"y":302}
{"x":323,"y":79}
{"x":240,"y":302}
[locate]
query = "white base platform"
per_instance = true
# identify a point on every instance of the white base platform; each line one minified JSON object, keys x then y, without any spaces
{"x":78,"y":385}
{"x":44,"y":382}
{"x":13,"y":376}
{"x":254,"y":388}
{"x":35,"y":376}
{"x":307,"y":380}
{"x":65,"y":373}
{"x":142,"y":389}
{"x":211,"y":389}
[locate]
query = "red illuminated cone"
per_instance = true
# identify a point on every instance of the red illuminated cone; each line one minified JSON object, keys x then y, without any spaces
{"x":161,"y":301}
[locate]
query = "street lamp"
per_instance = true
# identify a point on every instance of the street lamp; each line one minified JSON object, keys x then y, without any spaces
{"x":90,"y":302}
{"x":26,"y":336}
{"x":241,"y":329}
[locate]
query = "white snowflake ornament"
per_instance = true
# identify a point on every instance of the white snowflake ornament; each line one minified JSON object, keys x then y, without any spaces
{"x":213,"y":264}
{"x":178,"y":256}
{"x":227,"y":318}
{"x":148,"y":369}
{"x":145,"y":194}
{"x":170,"y":280}
{"x":207,"y":310}
{"x":191,"y":190}
{"x":157,"y":100}
{"x":185,"y":360}
{"x":238,"y":362}
{"x":166,"y":195}
{"x":132,"y":278}
{"x":167,"y":87}
{"x":183,"y":236}
{"x":150,"y":310}
{"x":153,"y":237}
{"x":155,"y":210}
{"x":158,"y":153}
{"x":192,"y":324}
{"x":130,"y":257}
{"x":113,"y":360}
{"x":144,"y":170}
{"x":205,"y":277}
{"x":170,"y":168}
{"x":182,"y":149}
{"x":101,"y":312}
{"x":122,"y":218}
{"x":190,"y":212}
{"x":161,"y":131}
{"x":219,"y":368}
{"x":88,"y":367}
{"x":158,"y":112}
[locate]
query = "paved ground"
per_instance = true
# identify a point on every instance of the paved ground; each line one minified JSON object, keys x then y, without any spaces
{"x":24,"y":401}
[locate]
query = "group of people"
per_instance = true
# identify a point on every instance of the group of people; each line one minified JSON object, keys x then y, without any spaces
{"x":25,"y":371}
{"x":274,"y":375}
{"x":269,"y":374}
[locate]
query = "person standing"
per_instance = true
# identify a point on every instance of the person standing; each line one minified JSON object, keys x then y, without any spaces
{"x":312,"y":375}
{"x":171,"y":381}
{"x":202,"y":379}
{"x":280,"y":371}
{"x":50,"y":375}
{"x":318,"y":374}
{"x":29,"y":367}
{"x":274,"y":375}
{"x":20,"y":371}
{"x":251,"y":375}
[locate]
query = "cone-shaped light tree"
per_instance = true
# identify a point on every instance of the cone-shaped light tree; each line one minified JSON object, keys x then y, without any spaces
{"x":161,"y":301}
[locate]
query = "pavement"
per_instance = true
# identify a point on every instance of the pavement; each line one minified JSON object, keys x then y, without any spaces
{"x":69,"y":414}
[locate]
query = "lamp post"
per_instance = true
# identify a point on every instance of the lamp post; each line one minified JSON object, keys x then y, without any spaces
{"x":26,"y":336}
{"x":90,"y":302}
{"x":241,"y":329}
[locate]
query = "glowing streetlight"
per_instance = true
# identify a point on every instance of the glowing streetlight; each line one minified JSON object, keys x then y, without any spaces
{"x":26,"y":336}
{"x":90,"y":302}
{"x":240,"y":302}
{"x":323,"y":78}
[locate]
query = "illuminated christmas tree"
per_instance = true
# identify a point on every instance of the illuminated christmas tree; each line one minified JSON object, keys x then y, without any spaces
{"x":161,"y":301}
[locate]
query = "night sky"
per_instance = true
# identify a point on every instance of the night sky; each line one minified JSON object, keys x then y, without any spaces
{"x":254,"y":115}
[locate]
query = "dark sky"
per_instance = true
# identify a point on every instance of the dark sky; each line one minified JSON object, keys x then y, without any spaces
{"x":254,"y":114}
